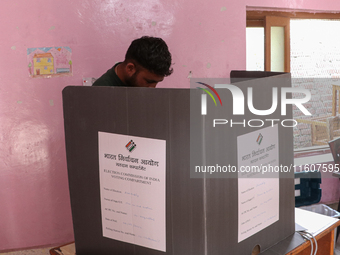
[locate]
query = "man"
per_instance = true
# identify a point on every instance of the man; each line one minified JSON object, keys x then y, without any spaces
{"x":147,"y":62}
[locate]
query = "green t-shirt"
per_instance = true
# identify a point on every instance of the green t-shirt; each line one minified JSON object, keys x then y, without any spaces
{"x":109,"y":78}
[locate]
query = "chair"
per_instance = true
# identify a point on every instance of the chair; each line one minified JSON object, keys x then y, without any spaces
{"x":325,"y":128}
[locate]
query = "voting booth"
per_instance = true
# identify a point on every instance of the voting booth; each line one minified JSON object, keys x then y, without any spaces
{"x":137,"y":163}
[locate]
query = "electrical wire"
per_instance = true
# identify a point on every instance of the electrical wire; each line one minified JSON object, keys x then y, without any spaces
{"x":316,"y":244}
{"x":308,"y":236}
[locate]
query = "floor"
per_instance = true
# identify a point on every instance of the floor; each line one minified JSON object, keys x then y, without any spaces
{"x":44,"y":251}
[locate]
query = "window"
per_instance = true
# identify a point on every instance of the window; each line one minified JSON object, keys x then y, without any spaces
{"x":305,"y":45}
{"x":255,"y":48}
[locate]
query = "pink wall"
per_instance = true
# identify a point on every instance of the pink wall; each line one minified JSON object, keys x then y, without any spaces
{"x":34,"y":199}
{"x":205,"y":37}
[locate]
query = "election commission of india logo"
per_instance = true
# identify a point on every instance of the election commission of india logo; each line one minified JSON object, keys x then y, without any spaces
{"x":259,"y":139}
{"x":130,"y":146}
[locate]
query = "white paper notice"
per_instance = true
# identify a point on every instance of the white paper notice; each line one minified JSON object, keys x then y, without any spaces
{"x":132,"y":189}
{"x":258,"y":198}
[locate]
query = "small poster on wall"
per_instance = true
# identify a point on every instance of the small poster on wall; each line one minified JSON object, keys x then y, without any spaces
{"x":49,"y":62}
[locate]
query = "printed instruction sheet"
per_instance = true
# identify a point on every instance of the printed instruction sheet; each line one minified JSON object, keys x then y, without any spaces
{"x":132,"y":189}
{"x":258,"y":182}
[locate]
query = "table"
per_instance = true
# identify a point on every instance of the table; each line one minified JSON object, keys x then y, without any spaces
{"x":321,"y":226}
{"x":325,"y":240}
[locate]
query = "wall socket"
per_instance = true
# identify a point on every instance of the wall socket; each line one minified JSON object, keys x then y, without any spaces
{"x":88,"y":81}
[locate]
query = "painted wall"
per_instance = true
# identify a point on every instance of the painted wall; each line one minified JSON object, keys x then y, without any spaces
{"x":205,"y":37}
{"x":34,"y":199}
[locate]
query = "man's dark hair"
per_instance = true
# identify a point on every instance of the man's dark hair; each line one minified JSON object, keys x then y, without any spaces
{"x":152,"y":53}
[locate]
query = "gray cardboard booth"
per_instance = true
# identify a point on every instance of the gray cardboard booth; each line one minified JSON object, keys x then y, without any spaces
{"x":188,"y":213}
